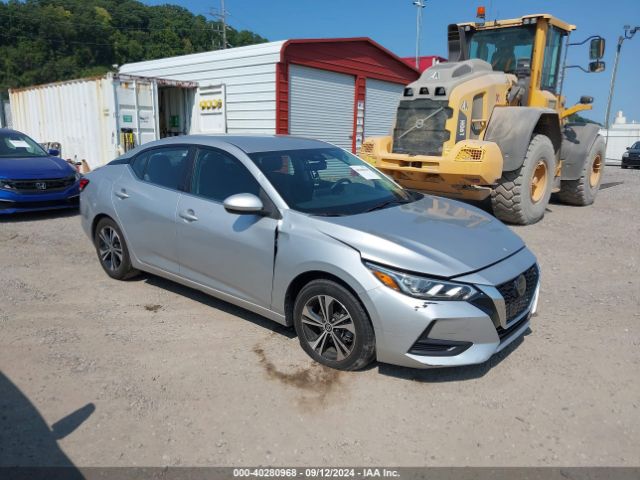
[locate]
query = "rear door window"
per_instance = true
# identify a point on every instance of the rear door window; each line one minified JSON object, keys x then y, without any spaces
{"x":165,"y":167}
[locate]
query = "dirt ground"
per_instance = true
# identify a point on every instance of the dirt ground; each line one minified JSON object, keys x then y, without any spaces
{"x":147,"y":372}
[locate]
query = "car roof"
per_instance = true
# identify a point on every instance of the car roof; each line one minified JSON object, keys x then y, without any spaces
{"x":246,"y":143}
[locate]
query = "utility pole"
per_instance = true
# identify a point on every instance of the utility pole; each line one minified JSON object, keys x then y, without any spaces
{"x":221,"y":16}
{"x":628,"y":35}
{"x":420,"y":4}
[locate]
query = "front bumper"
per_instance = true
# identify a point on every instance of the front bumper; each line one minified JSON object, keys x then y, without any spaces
{"x":15,"y":202}
{"x":420,"y":334}
{"x":630,"y":161}
{"x":469,"y":170}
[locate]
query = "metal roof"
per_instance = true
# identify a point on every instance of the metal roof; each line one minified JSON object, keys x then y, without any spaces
{"x":246,"y":52}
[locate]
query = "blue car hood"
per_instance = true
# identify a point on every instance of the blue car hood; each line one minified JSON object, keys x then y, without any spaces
{"x":434,"y":236}
{"x":34,"y":167}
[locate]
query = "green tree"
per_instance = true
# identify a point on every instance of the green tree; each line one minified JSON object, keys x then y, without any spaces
{"x":44,"y":41}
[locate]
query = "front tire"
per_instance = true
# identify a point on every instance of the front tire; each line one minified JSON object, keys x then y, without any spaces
{"x":522,"y":196}
{"x":333,"y":327}
{"x":112,"y":250}
{"x":583,"y":191}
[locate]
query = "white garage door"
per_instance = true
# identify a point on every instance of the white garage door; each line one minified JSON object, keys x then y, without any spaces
{"x":380,"y":107}
{"x":321,"y":105}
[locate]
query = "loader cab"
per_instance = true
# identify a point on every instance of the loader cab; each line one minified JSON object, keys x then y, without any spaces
{"x":529,"y":47}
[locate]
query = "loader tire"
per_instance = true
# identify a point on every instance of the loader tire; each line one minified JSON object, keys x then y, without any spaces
{"x":583,"y":191}
{"x":522,"y":195}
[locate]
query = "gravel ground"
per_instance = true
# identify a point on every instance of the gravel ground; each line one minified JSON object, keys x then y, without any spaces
{"x":147,"y":372}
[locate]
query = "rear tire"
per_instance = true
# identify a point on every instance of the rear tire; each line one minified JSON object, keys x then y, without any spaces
{"x":522,"y":196}
{"x":112,"y":250}
{"x":583,"y":191}
{"x":333,"y":327}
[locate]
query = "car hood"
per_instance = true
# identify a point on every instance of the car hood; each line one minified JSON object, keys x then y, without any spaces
{"x":434,"y":236}
{"x":34,"y":167}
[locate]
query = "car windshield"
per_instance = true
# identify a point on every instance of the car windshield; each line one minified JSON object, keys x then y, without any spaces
{"x":506,"y":49}
{"x":329,"y":182}
{"x":636,"y":146}
{"x":18,"y":145}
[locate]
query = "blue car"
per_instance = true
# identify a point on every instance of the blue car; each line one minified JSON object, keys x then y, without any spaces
{"x":32,"y":179}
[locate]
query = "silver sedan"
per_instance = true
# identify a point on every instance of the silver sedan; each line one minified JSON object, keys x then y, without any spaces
{"x":308,"y":235}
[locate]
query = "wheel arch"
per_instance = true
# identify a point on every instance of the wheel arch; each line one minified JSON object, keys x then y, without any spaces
{"x":577,"y":141}
{"x":512,"y":129}
{"x":96,"y":220}
{"x":299,"y":282}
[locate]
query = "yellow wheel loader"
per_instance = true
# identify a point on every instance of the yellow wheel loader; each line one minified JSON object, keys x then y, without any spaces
{"x":491,"y":123}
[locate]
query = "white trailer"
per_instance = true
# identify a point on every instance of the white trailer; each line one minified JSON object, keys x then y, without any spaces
{"x":96,"y":119}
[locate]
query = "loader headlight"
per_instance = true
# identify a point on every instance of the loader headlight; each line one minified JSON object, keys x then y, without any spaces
{"x":421,"y":287}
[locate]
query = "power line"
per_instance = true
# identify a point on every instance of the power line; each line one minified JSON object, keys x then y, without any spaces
{"x":222,"y":18}
{"x":21,"y":16}
{"x":25,"y":37}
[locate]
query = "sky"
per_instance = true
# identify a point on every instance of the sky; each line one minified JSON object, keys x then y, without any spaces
{"x":392,"y":24}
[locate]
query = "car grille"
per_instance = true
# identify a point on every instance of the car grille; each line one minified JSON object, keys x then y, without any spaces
{"x":427,"y":139}
{"x":49,"y":184}
{"x":517,"y":304}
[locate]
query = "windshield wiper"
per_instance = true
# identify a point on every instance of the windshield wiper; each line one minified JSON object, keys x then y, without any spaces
{"x":387,"y":204}
{"x":328,"y":214}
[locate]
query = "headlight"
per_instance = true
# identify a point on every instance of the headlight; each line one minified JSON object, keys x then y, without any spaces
{"x":625,"y":154}
{"x":421,"y":287}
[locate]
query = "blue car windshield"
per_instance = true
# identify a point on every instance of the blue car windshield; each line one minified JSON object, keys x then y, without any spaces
{"x":329,"y":182}
{"x":17,"y":145}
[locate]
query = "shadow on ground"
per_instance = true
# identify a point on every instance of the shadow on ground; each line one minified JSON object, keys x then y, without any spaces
{"x":213,"y":302}
{"x":430,"y":375}
{"x":27,"y":441}
{"x":39,"y":215}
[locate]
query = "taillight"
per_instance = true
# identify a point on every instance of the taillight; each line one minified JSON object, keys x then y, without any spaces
{"x":83,"y":183}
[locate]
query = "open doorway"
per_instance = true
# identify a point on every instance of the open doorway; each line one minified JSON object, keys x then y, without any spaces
{"x":175,"y":107}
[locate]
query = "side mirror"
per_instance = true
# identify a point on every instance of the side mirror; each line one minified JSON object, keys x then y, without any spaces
{"x":596,"y":48}
{"x":54,"y":152}
{"x":244,"y":203}
{"x":585,"y":100}
{"x":596,"y":67}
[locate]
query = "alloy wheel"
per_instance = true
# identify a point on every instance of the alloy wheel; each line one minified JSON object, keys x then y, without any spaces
{"x":110,"y":248}
{"x":328,"y":328}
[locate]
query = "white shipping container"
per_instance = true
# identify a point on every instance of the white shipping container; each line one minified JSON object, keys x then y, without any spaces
{"x":97,"y":119}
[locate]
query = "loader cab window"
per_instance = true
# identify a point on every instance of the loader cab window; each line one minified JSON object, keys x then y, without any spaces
{"x":551,"y":66}
{"x":506,"y":49}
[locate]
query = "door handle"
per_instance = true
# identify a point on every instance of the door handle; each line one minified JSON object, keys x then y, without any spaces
{"x":122,"y":194}
{"x":189,"y":215}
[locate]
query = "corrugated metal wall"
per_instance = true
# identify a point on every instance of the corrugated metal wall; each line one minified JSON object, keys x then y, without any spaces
{"x":78,"y":114}
{"x":380,"y":107}
{"x":249,"y":74}
{"x":321,"y":105}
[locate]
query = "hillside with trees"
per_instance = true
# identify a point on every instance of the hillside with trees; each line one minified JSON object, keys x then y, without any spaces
{"x":49,"y":40}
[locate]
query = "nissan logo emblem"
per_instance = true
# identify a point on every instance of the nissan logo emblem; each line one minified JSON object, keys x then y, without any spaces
{"x":520,"y":285}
